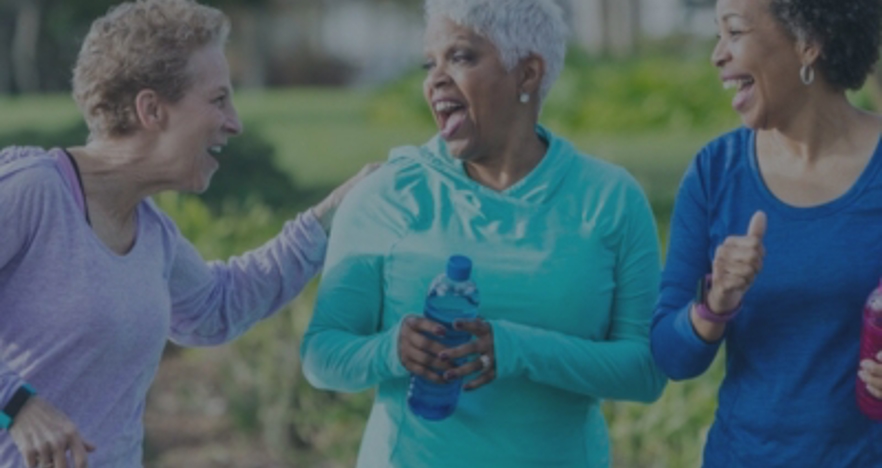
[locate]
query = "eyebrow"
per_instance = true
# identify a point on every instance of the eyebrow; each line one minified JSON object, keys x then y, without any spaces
{"x":727,"y":16}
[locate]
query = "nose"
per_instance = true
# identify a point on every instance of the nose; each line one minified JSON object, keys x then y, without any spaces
{"x":233,"y":125}
{"x":437,"y":78}
{"x":720,"y":54}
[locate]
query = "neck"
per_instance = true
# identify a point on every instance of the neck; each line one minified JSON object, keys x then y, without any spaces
{"x":116,"y":177}
{"x":509,"y":161}
{"x":825,"y":122}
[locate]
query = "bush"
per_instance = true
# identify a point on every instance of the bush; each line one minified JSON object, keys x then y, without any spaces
{"x":603,"y":96}
{"x":248,"y":175}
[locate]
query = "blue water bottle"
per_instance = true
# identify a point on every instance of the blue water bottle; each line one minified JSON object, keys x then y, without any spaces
{"x":452,"y":296}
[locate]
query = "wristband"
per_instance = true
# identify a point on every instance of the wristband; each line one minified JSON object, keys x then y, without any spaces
{"x":702,"y":309}
{"x":16,"y":403}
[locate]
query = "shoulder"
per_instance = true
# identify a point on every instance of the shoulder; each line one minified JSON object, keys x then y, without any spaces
{"x":394,"y":193}
{"x":29,"y":171}
{"x":602,"y":180}
{"x":723,"y":155}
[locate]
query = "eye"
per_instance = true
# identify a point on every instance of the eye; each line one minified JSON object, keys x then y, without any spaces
{"x":461,"y":57}
{"x":220,"y":101}
{"x":428,"y":65}
{"x":735,"y":32}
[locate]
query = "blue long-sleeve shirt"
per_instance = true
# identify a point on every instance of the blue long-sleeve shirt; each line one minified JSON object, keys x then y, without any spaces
{"x":567,"y":264}
{"x":788,"y":398}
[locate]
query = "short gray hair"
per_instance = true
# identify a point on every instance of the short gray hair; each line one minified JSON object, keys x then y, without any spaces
{"x":517,"y":28}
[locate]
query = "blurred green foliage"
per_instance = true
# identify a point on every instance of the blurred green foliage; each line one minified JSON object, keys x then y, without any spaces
{"x":647,"y":93}
{"x":250,"y":173}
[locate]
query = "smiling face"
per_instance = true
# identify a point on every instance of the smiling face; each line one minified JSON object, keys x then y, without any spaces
{"x":202,"y":121}
{"x":472,"y":96}
{"x":759,"y":58}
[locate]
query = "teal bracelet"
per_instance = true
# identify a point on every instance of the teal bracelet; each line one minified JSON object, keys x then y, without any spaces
{"x":15,"y":404}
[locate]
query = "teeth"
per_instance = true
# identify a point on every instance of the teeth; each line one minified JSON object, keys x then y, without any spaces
{"x":215,"y":149}
{"x":444,"y":106}
{"x":737,"y":83}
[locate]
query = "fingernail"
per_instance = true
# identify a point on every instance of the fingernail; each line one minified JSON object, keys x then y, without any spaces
{"x":862,"y":375}
{"x":865,"y":364}
{"x":879,"y":356}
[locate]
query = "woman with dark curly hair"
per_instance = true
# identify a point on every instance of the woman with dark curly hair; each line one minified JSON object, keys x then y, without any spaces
{"x":787,"y":300}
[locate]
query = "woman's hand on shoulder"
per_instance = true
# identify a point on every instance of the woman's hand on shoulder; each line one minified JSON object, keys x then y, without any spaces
{"x":44,"y":435}
{"x":418,"y":352}
{"x":481,"y":348}
{"x":326,"y":208}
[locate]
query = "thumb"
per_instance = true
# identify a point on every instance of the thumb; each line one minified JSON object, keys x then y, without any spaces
{"x":757,"y":227}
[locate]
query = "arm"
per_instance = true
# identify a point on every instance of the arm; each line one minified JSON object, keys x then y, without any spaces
{"x":676,"y":346}
{"x":345,"y":347}
{"x":620,"y":367}
{"x":216,"y":302}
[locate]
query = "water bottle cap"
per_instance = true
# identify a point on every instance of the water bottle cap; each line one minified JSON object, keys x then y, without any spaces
{"x":459,"y":268}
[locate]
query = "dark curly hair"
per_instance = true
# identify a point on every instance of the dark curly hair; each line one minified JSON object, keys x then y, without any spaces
{"x":847,"y":30}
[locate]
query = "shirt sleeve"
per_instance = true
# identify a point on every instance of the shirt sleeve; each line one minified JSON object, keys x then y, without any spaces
{"x":620,"y":367}
{"x":215,"y":302}
{"x":346,"y":347}
{"x":24,"y":195}
{"x":676,"y":346}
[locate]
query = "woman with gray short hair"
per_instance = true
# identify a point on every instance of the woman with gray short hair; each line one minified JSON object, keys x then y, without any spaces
{"x":565,"y":256}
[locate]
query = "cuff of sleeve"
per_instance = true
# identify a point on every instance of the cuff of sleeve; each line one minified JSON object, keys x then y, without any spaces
{"x":310,"y":237}
{"x":505,"y":347}
{"x":683,"y":327}
{"x":393,"y":358}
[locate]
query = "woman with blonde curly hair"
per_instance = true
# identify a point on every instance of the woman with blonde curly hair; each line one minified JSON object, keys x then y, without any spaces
{"x":94,"y":278}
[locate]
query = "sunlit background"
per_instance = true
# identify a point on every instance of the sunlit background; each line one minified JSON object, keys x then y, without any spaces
{"x":324,"y":86}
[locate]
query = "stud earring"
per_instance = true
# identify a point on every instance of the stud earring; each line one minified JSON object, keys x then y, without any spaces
{"x":525,"y":98}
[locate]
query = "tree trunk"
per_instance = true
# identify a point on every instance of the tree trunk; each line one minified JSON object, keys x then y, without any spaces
{"x":24,"y":46}
{"x":6,"y":27}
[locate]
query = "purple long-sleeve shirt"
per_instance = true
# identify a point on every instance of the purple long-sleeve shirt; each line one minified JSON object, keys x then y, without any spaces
{"x":86,"y":326}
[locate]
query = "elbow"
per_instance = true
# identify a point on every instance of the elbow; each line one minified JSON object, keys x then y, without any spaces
{"x":655,"y":387}
{"x":311,"y":367}
{"x":318,"y":368}
{"x":671,"y":366}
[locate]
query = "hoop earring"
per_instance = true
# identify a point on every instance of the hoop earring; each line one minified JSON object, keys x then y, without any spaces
{"x":525,"y":98}
{"x":807,"y":74}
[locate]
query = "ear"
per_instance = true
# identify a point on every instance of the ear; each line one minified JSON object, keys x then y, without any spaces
{"x":531,"y":70}
{"x":808,"y":51}
{"x":150,"y":110}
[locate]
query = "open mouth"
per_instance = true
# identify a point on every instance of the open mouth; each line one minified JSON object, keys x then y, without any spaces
{"x":450,"y":115}
{"x":215,"y":150}
{"x":744,"y":87}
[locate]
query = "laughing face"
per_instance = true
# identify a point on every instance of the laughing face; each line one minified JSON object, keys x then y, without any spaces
{"x":202,"y":121}
{"x":471,"y":94}
{"x":758,"y":58}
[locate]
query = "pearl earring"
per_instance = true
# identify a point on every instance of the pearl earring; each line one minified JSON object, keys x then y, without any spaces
{"x":525,"y":98}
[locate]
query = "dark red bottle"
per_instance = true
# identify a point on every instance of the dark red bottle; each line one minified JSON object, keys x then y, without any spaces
{"x":871,"y":344}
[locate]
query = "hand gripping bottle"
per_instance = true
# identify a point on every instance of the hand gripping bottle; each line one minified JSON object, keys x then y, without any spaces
{"x":871,"y":344}
{"x":452,"y":296}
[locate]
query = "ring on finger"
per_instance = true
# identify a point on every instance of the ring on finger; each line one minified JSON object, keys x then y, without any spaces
{"x":485,"y":361}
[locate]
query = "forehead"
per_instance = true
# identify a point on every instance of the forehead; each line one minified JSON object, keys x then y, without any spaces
{"x":744,"y":9}
{"x":441,"y":31}
{"x":208,"y":67}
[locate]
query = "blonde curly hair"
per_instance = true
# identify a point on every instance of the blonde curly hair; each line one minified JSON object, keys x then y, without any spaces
{"x":145,"y":44}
